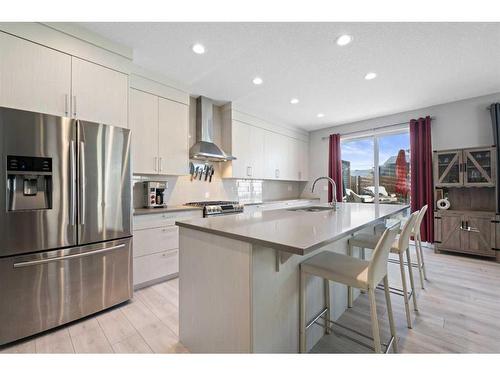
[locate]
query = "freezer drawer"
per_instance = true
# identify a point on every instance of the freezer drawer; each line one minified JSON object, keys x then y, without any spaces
{"x":44,"y":290}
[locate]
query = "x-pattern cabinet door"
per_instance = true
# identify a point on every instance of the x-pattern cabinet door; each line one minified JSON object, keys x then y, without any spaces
{"x":479,"y":167}
{"x":448,"y":168}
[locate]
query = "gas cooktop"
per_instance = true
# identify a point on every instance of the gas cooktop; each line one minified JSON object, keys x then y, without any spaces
{"x":211,"y":208}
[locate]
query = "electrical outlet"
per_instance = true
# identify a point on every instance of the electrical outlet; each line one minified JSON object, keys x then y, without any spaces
{"x":207,"y":194}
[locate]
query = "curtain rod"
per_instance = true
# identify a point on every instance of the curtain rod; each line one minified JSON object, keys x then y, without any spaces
{"x":373,"y":129}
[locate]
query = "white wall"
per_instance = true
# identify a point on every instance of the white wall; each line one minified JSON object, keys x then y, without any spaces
{"x":465,"y":123}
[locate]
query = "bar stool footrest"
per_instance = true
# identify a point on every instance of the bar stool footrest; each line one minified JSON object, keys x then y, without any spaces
{"x":330,"y":323}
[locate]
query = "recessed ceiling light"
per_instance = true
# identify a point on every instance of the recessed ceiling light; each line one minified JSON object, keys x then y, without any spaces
{"x":294,"y":101}
{"x":370,"y":76}
{"x":344,"y":40}
{"x":257,"y":81}
{"x":320,"y":115}
{"x":198,"y":48}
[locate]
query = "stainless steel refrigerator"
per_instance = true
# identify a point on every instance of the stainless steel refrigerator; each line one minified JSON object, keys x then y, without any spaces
{"x":65,"y":221}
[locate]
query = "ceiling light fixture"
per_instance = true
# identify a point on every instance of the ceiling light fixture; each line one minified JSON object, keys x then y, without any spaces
{"x":344,"y":40}
{"x":320,"y":115}
{"x":198,"y":48}
{"x":257,"y":81}
{"x":370,"y":76}
{"x":294,"y":101}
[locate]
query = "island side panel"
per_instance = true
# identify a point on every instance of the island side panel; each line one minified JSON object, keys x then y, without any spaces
{"x":214,"y":293}
{"x":275,"y":300}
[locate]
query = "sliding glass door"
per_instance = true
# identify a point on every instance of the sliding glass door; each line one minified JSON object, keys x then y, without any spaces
{"x":376,"y":167}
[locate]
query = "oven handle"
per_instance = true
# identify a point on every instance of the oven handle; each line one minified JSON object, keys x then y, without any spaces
{"x":65,"y":257}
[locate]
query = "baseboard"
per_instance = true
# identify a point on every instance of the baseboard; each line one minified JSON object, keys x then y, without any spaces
{"x":155,"y":281}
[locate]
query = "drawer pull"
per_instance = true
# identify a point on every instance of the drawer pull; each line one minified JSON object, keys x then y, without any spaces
{"x":65,"y":257}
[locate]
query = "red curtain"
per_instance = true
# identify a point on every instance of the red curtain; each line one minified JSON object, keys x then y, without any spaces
{"x":421,"y":174}
{"x":335,"y":166}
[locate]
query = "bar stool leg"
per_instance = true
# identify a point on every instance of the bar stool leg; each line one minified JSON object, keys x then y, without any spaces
{"x":405,"y":289}
{"x":390,"y":315}
{"x":412,"y":283}
{"x":302,"y":303}
{"x":422,"y":255}
{"x":349,"y":288}
{"x":375,"y":328}
{"x":327,"y":305}
{"x":419,"y":265}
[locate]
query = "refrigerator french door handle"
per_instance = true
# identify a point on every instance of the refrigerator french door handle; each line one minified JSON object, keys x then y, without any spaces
{"x":72,"y":184}
{"x":81,"y":174}
{"x":65,"y":257}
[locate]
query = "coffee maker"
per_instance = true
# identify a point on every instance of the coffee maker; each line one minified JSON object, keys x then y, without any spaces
{"x":155,"y":194}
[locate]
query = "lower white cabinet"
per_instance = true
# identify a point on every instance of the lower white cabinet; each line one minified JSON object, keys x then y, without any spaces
{"x":155,"y":267}
{"x":156,"y":246}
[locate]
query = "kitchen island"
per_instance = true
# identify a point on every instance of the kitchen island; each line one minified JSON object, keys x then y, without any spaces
{"x":239,"y":275}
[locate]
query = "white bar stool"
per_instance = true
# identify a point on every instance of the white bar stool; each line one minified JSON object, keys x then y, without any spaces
{"x":353,"y":272}
{"x":420,"y":265}
{"x":399,"y":247}
{"x":418,"y":246}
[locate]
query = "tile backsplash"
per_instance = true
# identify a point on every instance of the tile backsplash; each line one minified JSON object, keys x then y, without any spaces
{"x":181,"y":189}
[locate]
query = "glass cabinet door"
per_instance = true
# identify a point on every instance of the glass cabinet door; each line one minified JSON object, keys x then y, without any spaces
{"x":448,"y":168}
{"x":478,"y":167}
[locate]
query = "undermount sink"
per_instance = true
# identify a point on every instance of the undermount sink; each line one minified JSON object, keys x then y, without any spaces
{"x":311,"y":208}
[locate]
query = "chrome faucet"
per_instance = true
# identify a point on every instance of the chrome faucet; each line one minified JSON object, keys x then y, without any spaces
{"x":332,"y":204}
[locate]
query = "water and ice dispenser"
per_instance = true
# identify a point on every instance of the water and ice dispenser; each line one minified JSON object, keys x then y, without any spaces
{"x":29,"y":183}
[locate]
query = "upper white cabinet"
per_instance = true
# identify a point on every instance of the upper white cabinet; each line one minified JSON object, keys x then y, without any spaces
{"x":159,"y":134}
{"x":262,"y":153}
{"x":173,"y":132}
{"x":144,"y":126}
{"x":99,"y":94}
{"x":276,"y":149}
{"x":303,"y":160}
{"x":33,"y":77}
{"x":41,"y":79}
{"x":248,"y":143}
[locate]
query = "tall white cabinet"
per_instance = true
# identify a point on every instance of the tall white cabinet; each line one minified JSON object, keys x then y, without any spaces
{"x":159,"y":134}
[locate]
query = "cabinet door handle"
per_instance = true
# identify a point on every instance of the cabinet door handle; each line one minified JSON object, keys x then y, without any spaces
{"x":156,"y":164}
{"x":160,"y":164}
{"x":249,"y":171}
{"x":74,"y":105}
{"x":66,"y":104}
{"x":277,"y":173}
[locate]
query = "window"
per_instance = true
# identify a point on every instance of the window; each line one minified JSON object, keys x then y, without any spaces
{"x":390,"y":152}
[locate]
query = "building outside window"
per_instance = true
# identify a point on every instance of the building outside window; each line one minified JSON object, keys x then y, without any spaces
{"x":390,"y":153}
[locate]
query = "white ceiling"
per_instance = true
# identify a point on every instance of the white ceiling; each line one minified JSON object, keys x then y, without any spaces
{"x":418,"y":64}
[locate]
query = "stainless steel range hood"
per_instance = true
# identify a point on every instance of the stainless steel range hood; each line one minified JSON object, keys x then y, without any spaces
{"x":205,"y":148}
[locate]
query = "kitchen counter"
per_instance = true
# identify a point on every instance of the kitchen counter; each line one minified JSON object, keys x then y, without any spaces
{"x":295,"y":231}
{"x":147,"y":211}
{"x":239,"y":275}
{"x":278,"y":201}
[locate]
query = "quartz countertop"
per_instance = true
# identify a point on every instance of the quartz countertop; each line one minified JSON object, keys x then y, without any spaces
{"x":277,"y":201}
{"x":297,"y":232}
{"x":146,"y":211}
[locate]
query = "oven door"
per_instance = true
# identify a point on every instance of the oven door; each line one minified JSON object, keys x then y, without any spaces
{"x":45,"y":290}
